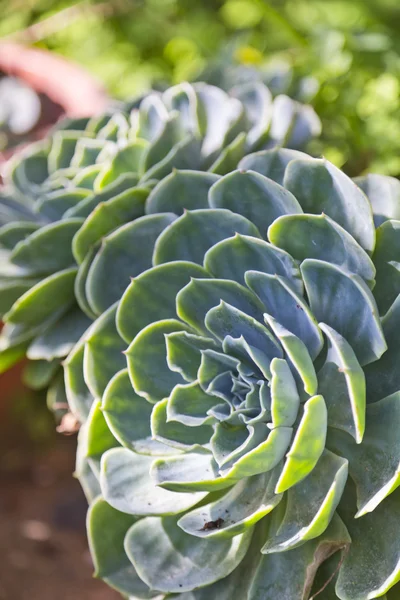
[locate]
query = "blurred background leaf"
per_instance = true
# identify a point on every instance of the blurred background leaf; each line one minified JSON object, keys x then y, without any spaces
{"x":343,"y":56}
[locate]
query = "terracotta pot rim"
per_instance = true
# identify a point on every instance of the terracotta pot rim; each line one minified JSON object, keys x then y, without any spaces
{"x":64,"y":82}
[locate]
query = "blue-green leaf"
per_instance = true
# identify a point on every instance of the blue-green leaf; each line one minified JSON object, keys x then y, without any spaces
{"x":355,"y":317}
{"x":170,"y":560}
{"x":307,"y":446}
{"x":232,"y":257}
{"x":310,"y":505}
{"x":200,"y":295}
{"x":128,"y":417}
{"x":287,"y":307}
{"x":375,"y":464}
{"x":271,"y":163}
{"x":103,"y":354}
{"x":342,"y":383}
{"x":151,"y":296}
{"x":127,"y":486}
{"x":252,"y":195}
{"x":107,"y":529}
{"x":297,"y":354}
{"x":318,"y":236}
{"x":147,"y":363}
{"x":196,"y":231}
{"x":383,"y":192}
{"x":123,"y":254}
{"x":180,"y":191}
{"x":290,"y":575}
{"x":320,"y":187}
{"x":108,"y":215}
{"x":237,"y":511}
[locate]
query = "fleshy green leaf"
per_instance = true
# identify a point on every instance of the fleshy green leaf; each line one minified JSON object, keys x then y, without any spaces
{"x":200,"y":295}
{"x":239,"y":509}
{"x":307,"y":446}
{"x":38,"y":374}
{"x":79,"y":397}
{"x":12,"y":289}
{"x":168,"y":559}
{"x":270,"y":163}
{"x":375,"y":464}
{"x":13,"y":233}
{"x":127,"y":486}
{"x":226,"y":320}
{"x":35,"y":254}
{"x":86,"y":207}
{"x":184,"y":353}
{"x":257,"y":101}
{"x":196,"y":231}
{"x":319,"y":236}
{"x":184,"y":155}
{"x":10,"y":356}
{"x":387,"y":262}
{"x":189,"y":405}
{"x":263,"y":457}
{"x":180,"y":191}
{"x":125,"y":253}
{"x":383,"y":376}
{"x":293,"y":123}
{"x":107,"y":529}
{"x":62,"y":149}
{"x":384,"y":194}
{"x":126,"y":160}
{"x":290,"y":575}
{"x":44,"y":299}
{"x":287,"y":307}
{"x":60,"y":336}
{"x":86,"y":152}
{"x":297,"y":354}
{"x":108,"y":215}
{"x":355,"y":316}
{"x":320,"y":187}
{"x":147,"y":362}
{"x":128,"y":417}
{"x":80,"y":284}
{"x":342,"y":383}
{"x":285,"y":400}
{"x":192,"y":471}
{"x":54,"y":205}
{"x":153,"y":294}
{"x":252,"y":195}
{"x":103,"y":354}
{"x":310,"y":505}
{"x":220,"y":117}
{"x":231,"y":258}
{"x":99,"y":438}
{"x":175,"y":433}
{"x":230,"y":156}
{"x":371,"y":566}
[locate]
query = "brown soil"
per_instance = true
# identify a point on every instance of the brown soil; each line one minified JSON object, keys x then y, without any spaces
{"x":43,"y":549}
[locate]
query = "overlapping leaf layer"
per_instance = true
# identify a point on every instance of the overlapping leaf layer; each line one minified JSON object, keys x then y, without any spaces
{"x":66,"y":196}
{"x":240,"y":398}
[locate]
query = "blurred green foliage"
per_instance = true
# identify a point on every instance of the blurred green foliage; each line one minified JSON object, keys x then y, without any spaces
{"x":343,"y":56}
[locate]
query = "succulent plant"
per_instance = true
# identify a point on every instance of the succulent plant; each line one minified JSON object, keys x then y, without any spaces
{"x":240,"y":398}
{"x":64,"y":198}
{"x":246,"y":446}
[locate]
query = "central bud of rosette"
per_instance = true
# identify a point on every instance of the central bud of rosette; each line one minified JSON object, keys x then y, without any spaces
{"x":231,"y":382}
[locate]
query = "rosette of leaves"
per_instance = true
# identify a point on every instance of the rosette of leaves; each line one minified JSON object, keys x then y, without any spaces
{"x":246,"y":445}
{"x":65,"y":198}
